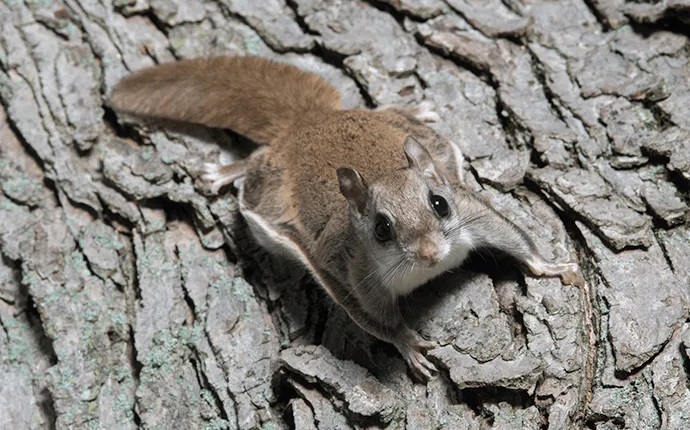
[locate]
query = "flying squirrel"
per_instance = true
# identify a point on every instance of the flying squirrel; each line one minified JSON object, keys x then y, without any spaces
{"x":371,"y":202}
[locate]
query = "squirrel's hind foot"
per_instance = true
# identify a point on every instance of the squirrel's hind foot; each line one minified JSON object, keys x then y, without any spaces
{"x":426,"y":112}
{"x":570,"y":273}
{"x":216,"y":176}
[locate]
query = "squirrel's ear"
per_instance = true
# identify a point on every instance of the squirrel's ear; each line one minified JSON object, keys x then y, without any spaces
{"x":353,"y":188}
{"x":419,"y":158}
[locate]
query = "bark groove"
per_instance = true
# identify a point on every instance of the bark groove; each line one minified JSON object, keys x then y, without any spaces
{"x":129,"y":298}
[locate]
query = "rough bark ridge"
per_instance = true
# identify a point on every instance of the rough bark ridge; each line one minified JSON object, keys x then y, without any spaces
{"x":129,"y":299}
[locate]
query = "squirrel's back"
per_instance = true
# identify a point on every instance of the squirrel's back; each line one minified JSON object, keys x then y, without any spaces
{"x":255,"y":97}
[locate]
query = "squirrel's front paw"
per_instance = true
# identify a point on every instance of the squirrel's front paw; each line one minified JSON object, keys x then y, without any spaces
{"x":411,"y":349}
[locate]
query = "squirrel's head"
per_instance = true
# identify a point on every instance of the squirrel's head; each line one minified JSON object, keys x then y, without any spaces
{"x":408,"y":219}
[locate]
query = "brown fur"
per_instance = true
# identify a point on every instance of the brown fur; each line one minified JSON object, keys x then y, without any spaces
{"x":328,"y":175}
{"x":255,"y":97}
{"x":309,"y":159}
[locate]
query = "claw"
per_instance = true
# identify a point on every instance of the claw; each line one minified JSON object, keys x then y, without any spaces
{"x":210,"y":169}
{"x":216,"y":176}
{"x":411,"y":351}
{"x":426,"y":112}
{"x":572,"y":275}
{"x":420,"y":366}
{"x":419,"y":342}
{"x":427,"y":344}
{"x":210,"y":175}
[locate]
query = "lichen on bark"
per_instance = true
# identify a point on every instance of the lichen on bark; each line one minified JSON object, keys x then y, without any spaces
{"x":129,"y":298}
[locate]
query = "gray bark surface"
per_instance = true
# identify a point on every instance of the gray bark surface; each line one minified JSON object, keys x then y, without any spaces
{"x":129,"y":298}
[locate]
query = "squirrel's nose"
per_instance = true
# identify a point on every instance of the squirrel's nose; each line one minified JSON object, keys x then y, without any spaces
{"x":428,"y":250}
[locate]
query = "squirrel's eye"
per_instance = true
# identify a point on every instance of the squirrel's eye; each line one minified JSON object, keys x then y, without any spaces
{"x":440,"y":205}
{"x":382,"y":229}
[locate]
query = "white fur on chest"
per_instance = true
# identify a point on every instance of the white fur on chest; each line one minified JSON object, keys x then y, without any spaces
{"x":407,"y":281}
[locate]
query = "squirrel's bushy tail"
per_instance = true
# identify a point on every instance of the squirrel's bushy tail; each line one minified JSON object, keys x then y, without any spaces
{"x":255,"y":97}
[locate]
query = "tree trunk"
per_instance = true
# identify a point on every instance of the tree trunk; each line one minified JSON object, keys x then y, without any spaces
{"x":128,"y":298}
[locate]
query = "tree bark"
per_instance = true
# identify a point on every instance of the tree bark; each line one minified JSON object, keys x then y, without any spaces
{"x":129,"y":298}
